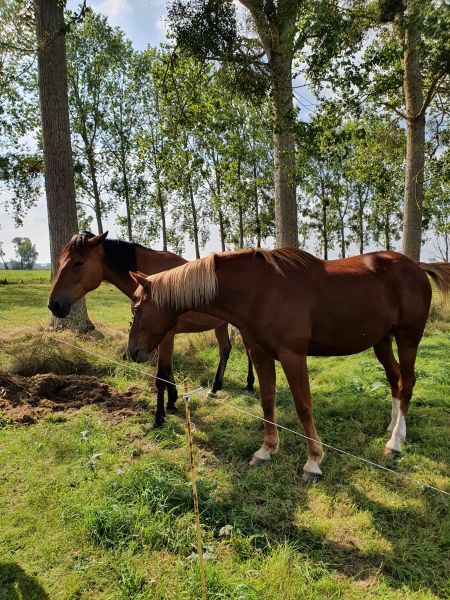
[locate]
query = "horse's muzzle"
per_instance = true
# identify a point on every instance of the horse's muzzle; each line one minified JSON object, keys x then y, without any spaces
{"x":60,"y":308}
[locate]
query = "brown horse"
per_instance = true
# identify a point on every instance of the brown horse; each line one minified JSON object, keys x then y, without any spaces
{"x":89,"y":259}
{"x":287,"y":305}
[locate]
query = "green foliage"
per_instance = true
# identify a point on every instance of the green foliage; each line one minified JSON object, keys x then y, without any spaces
{"x":26,"y":253}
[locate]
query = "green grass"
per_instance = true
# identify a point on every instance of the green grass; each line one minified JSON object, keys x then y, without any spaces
{"x":93,"y":509}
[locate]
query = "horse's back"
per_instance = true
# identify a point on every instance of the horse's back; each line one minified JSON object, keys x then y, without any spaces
{"x":359,"y":300}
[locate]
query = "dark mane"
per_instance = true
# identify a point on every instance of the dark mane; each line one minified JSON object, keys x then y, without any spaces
{"x":119,"y":255}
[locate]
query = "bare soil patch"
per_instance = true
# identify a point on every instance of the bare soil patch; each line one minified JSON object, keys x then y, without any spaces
{"x":26,"y":399}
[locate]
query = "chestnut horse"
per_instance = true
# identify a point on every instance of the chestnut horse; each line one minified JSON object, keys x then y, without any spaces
{"x":89,"y":259}
{"x":288,"y":304}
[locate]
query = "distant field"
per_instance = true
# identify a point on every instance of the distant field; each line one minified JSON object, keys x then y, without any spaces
{"x":17,"y":276}
{"x":95,"y":505}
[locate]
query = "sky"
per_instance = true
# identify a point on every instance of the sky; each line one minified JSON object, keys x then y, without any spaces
{"x":144,"y":22}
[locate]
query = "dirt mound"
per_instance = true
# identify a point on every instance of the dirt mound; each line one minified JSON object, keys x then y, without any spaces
{"x":25,"y":399}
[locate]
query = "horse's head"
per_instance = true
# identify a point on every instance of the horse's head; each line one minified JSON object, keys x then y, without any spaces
{"x":80,"y":271}
{"x":150,"y":323}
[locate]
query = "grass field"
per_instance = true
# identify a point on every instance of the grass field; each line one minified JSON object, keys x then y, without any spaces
{"x":97,"y":507}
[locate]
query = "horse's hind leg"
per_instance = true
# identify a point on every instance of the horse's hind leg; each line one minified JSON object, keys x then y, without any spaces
{"x":265,"y":368}
{"x":407,"y":351}
{"x":223,"y":339}
{"x":296,"y":371}
{"x":383,"y":351}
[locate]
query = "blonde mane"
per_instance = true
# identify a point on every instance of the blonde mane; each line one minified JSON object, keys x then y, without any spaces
{"x":195,"y":283}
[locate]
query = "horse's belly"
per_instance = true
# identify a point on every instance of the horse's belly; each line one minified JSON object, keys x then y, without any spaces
{"x":341,"y":340}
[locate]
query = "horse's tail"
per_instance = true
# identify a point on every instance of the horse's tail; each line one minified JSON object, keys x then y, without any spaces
{"x":440,"y":273}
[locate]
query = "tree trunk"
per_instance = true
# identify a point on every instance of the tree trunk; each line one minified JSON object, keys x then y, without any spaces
{"x":59,"y":182}
{"x":257,"y":219}
{"x":194,"y":218}
{"x":93,"y":173}
{"x":163,"y":216}
{"x":324,"y":221}
{"x":361,"y":221}
{"x":222,"y":230}
{"x":286,"y":225}
{"x":415,"y":142}
{"x":126,"y":191}
{"x":221,"y":220}
{"x":241,"y":211}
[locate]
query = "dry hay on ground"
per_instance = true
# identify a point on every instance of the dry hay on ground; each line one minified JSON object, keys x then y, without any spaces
{"x":26,"y":399}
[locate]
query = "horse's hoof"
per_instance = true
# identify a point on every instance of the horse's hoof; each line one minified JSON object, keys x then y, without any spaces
{"x":158,"y":422}
{"x":308,"y":477}
{"x":212,"y":394}
{"x":258,"y":462}
{"x":392,"y":452}
{"x":249,"y":391}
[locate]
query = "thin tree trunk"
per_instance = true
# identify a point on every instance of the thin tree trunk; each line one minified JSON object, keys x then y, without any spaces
{"x":163,"y":216}
{"x":361,"y":221}
{"x":257,"y":219}
{"x":126,"y":191}
{"x":59,"y":182}
{"x":222,"y":231}
{"x":194,"y":218}
{"x":286,"y":225}
{"x":415,"y":141}
{"x":221,"y":220}
{"x":241,"y":212}
{"x":324,"y":221}
{"x":93,"y":173}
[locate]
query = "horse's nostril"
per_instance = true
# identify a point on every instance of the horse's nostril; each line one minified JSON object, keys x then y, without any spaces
{"x":53,"y":305}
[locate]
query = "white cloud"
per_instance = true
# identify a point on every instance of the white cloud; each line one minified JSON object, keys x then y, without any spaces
{"x":115,"y":10}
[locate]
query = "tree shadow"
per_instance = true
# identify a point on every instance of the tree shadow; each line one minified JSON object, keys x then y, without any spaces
{"x":15,"y":584}
{"x":401,"y":553}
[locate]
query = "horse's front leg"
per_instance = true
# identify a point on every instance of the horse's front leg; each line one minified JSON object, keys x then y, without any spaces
{"x":163,"y":376}
{"x":250,"y":376}
{"x":296,"y":370}
{"x":166,"y":353}
{"x":265,"y":368}
{"x":223,"y":339}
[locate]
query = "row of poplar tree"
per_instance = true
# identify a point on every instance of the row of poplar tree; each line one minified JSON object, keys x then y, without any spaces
{"x":176,"y":143}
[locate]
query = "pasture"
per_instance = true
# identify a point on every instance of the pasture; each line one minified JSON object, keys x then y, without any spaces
{"x":94,"y":503}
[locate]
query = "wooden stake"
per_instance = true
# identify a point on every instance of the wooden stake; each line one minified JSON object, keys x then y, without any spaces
{"x":187,"y":399}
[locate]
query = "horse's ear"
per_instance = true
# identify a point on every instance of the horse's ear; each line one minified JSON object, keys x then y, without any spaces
{"x":140,"y":279}
{"x":97,"y":240}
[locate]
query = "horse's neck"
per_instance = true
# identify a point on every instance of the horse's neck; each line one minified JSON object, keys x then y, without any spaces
{"x":236,"y":282}
{"x":122,"y":281}
{"x":148,"y":262}
{"x":153,"y":261}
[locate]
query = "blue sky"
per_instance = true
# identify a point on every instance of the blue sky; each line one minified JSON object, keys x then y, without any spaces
{"x":143,"y":21}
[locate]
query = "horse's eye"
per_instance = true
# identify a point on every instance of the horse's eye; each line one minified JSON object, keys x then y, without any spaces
{"x":136,"y":310}
{"x":78,"y":264}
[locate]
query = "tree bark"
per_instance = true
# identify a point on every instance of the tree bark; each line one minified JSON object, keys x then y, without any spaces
{"x":286,"y":224}
{"x":222,"y":231}
{"x":163,"y":216}
{"x":194,"y":218}
{"x":257,"y":219}
{"x":59,"y":181}
{"x":415,"y":141}
{"x":93,"y":173}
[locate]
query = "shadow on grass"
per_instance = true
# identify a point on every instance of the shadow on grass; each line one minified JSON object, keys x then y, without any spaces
{"x":410,"y":547}
{"x":15,"y":584}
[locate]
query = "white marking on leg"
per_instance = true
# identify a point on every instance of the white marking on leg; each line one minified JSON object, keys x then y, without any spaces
{"x":264,"y":453}
{"x":394,"y":414}
{"x":312,"y":466}
{"x":398,"y":433}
